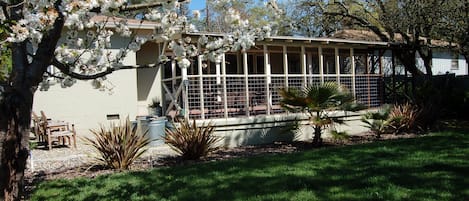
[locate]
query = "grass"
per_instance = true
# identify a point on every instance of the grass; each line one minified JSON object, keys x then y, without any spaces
{"x":431,"y":168}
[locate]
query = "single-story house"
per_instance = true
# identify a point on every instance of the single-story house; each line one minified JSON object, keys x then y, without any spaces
{"x":238,"y":92}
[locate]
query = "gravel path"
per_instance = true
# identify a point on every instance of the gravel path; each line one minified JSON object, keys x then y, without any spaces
{"x":62,"y":158}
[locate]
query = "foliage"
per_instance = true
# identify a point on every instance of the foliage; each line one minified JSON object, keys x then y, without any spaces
{"x":191,"y":141}
{"x":378,"y":122}
{"x":155,"y":102}
{"x":430,"y":168}
{"x":120,"y":145}
{"x":403,"y":118}
{"x":88,"y":40}
{"x":317,"y":101}
{"x":410,"y":25}
{"x":391,"y":119}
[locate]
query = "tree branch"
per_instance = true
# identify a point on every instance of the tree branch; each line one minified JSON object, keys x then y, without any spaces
{"x":65,"y":68}
{"x":362,"y":22}
{"x":45,"y":50}
{"x":137,"y":6}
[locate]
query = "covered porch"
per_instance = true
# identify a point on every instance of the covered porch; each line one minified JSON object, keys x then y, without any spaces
{"x":244,"y":84}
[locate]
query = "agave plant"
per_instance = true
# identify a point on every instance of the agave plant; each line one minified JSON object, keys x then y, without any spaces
{"x":317,"y":101}
{"x":190,"y":141}
{"x":120,"y":145}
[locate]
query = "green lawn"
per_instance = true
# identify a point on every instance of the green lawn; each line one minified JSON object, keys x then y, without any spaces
{"x":435,"y":167}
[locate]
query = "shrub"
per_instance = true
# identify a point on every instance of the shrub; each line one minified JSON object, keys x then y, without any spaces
{"x":402,"y":118}
{"x":391,"y":119}
{"x":317,"y":101}
{"x":378,"y":121}
{"x":190,"y":141}
{"x":119,"y":146}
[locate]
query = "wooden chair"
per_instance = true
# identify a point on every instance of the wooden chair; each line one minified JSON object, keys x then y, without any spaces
{"x":37,"y":127}
{"x":59,"y":130}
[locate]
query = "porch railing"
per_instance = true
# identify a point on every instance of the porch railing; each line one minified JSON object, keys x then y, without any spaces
{"x":211,"y":96}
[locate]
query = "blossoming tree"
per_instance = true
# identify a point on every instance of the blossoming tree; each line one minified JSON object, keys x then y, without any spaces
{"x":74,"y":36}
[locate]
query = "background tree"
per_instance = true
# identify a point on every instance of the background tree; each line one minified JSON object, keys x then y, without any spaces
{"x":455,"y":26}
{"x":213,"y":17}
{"x":408,"y":24}
{"x":33,"y":29}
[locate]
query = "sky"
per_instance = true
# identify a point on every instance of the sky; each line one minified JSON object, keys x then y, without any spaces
{"x":197,"y":5}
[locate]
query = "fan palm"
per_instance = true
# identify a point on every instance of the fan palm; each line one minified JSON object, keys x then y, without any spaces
{"x":317,"y":101}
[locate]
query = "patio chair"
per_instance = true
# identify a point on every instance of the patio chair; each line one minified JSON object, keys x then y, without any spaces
{"x":59,"y":130}
{"x":37,"y":127}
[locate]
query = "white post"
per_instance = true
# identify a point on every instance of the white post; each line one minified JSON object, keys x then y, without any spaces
{"x":185,"y":95}
{"x":303,"y":65}
{"x":246,"y":81}
{"x":310,"y":67}
{"x":353,"y":71}
{"x":223,"y":72}
{"x":337,"y":64}
{"x":218,"y":77}
{"x":268,"y":79}
{"x":321,"y":64}
{"x":173,"y":74}
{"x":201,"y":87}
{"x":285,"y":65}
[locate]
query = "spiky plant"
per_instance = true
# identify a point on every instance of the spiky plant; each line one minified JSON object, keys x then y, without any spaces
{"x":402,"y":118}
{"x":119,"y":145}
{"x":190,"y":141}
{"x":317,"y":101}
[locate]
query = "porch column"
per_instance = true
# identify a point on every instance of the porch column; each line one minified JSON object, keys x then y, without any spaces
{"x":173,"y":74}
{"x":337,"y":64}
{"x":268,"y":79}
{"x":285,"y":65}
{"x":223,"y":72}
{"x":310,"y":67}
{"x":185,"y":95}
{"x":352,"y":56}
{"x":246,"y":80}
{"x":321,"y":64}
{"x":303,"y":65}
{"x":218,"y":77}
{"x":201,"y":87}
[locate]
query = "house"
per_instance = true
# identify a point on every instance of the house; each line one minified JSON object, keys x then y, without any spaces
{"x":238,"y":92}
{"x":445,"y":60}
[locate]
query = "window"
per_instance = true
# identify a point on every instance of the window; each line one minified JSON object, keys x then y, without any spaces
{"x":455,"y":61}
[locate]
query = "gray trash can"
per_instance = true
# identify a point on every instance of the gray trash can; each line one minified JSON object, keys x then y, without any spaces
{"x":156,"y":130}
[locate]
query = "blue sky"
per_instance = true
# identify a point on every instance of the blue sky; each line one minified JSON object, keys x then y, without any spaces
{"x":197,"y":5}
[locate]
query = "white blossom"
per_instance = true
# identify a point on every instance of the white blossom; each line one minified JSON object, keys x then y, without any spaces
{"x":196,"y":14}
{"x":88,"y":36}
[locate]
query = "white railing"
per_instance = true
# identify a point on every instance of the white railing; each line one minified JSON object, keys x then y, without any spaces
{"x":212,"y":96}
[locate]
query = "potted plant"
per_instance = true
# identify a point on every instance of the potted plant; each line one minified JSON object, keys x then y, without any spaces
{"x":154,"y":108}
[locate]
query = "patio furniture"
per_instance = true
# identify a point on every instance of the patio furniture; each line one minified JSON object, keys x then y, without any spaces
{"x":37,"y":127}
{"x":59,"y":130}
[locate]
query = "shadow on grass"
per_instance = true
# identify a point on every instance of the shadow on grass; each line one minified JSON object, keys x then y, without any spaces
{"x":428,"y":168}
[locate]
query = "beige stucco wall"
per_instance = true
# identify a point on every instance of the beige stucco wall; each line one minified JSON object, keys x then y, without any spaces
{"x":87,"y":107}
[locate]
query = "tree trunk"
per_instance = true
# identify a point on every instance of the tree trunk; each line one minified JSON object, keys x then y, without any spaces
{"x":317,"y":140}
{"x":407,"y":58}
{"x":15,"y":118}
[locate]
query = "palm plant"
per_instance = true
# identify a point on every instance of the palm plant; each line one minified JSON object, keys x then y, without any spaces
{"x":378,"y":122}
{"x":317,"y":101}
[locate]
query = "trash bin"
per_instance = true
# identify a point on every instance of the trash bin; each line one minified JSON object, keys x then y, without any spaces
{"x":156,"y":130}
